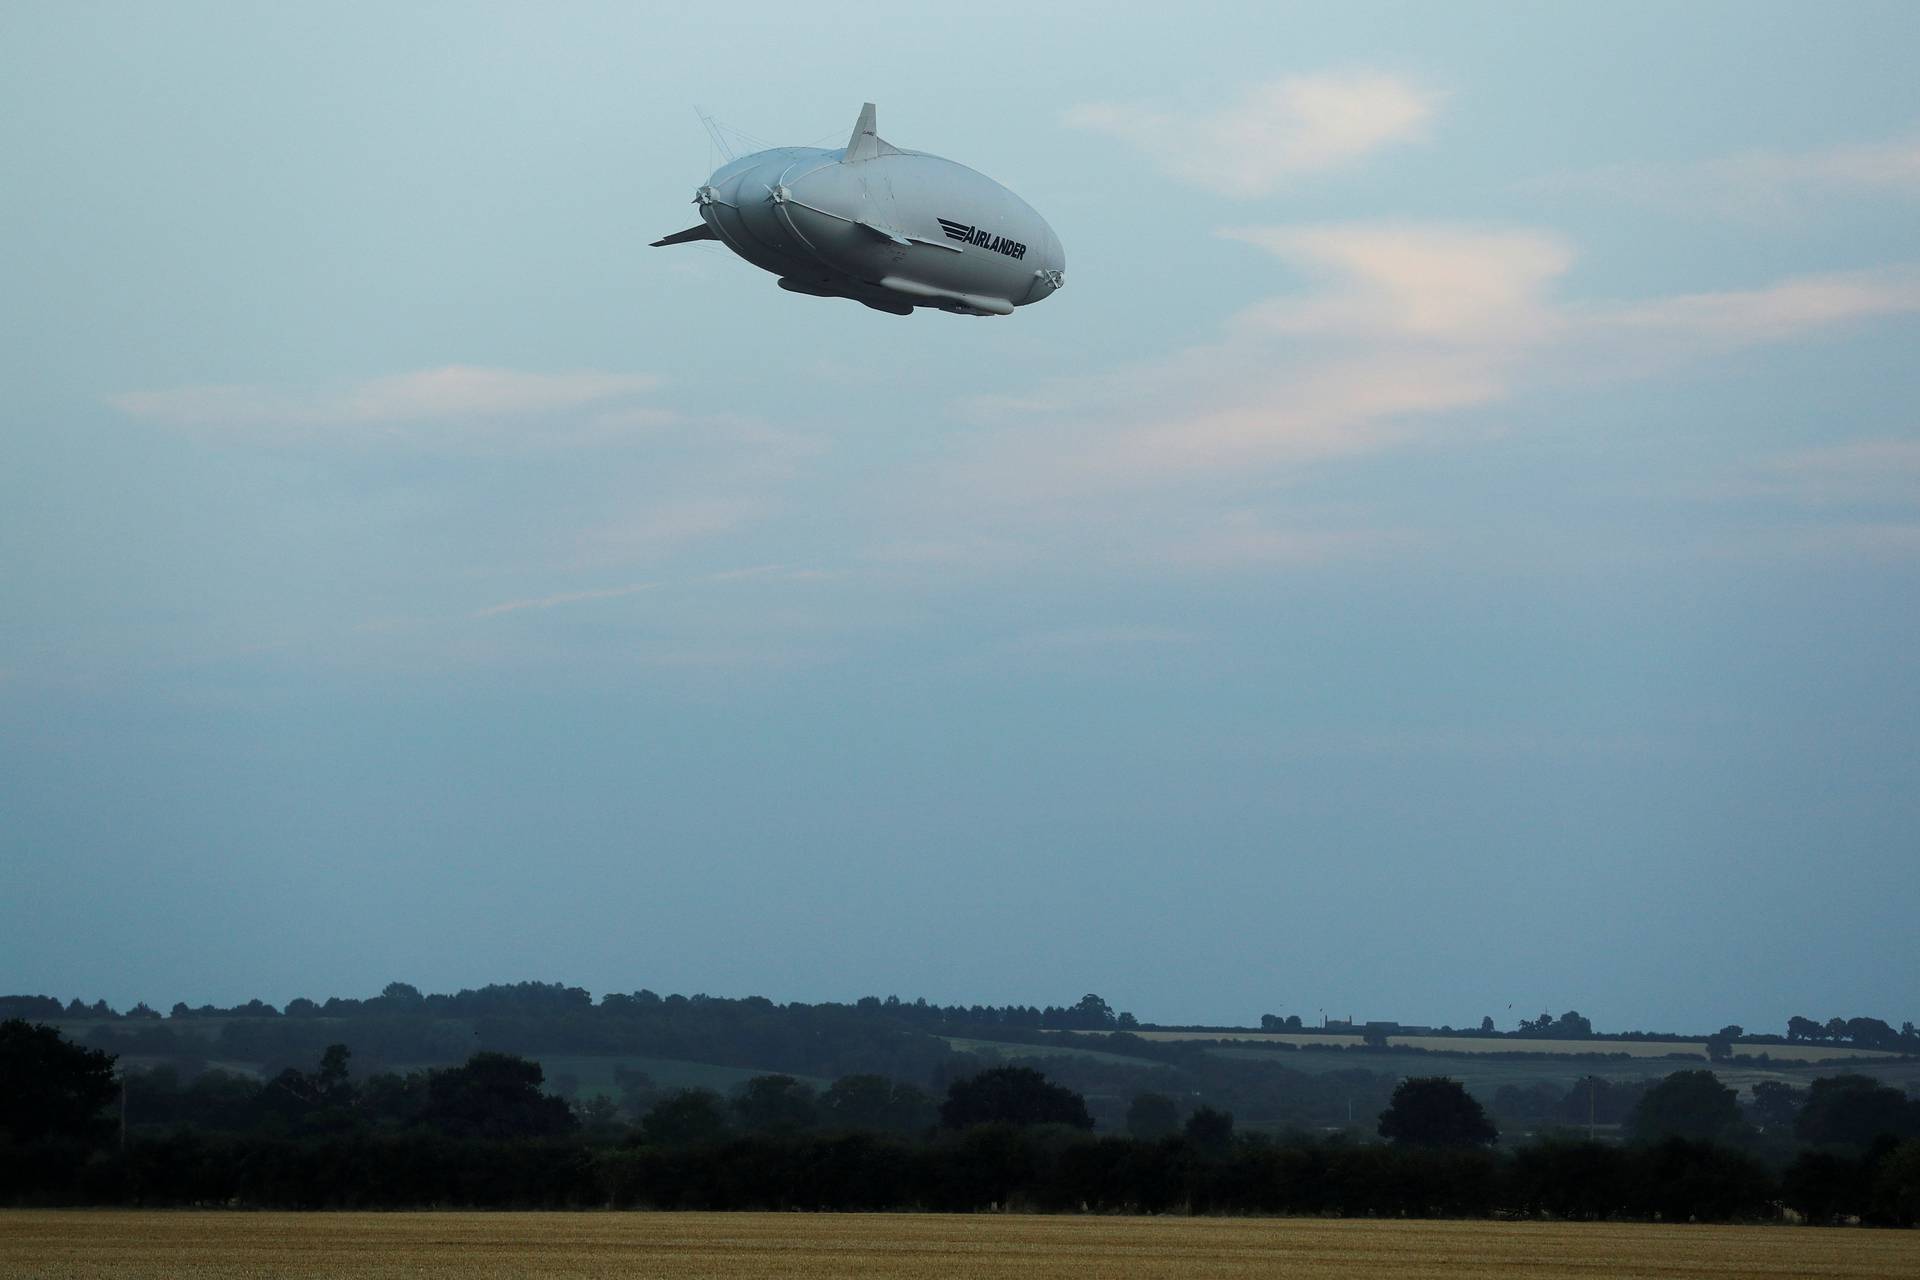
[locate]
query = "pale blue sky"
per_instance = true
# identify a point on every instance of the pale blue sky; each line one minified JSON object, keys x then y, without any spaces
{"x":1454,"y":543}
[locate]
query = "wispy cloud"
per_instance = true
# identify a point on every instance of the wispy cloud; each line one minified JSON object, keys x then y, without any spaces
{"x":1757,"y":184}
{"x":1406,"y":321}
{"x":656,"y":527}
{"x":1447,"y":284}
{"x":1782,"y":310}
{"x":1857,"y":473}
{"x":1403,"y":332}
{"x":1248,"y":539}
{"x":564,"y":598}
{"x":1836,"y":540}
{"x":1080,"y":640}
{"x":425,"y":405}
{"x":776,"y":574}
{"x":1276,"y":130}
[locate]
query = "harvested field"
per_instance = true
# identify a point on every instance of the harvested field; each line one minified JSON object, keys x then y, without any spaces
{"x":88,"y":1243}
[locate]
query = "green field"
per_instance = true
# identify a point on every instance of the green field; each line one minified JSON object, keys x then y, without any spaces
{"x":479,"y":1246}
{"x":1485,"y":1073}
{"x":1019,"y":1049}
{"x":595,"y":1073}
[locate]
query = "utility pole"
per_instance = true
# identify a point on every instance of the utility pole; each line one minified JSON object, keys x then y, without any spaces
{"x":123,"y":1112}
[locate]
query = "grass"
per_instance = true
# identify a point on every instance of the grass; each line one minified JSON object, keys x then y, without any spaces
{"x":476,"y":1246}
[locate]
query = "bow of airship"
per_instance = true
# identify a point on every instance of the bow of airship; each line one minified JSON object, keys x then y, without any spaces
{"x":890,"y":228}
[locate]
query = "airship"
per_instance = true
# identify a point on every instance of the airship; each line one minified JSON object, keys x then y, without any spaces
{"x":894,"y":230}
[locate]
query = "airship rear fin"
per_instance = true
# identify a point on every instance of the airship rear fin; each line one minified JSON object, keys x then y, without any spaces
{"x":701,"y":232}
{"x":865,"y":144}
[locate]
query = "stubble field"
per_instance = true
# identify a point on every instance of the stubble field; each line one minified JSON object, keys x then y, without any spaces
{"x":85,"y":1243}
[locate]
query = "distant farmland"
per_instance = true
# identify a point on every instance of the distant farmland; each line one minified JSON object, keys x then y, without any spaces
{"x":1512,"y":1044}
{"x":959,"y":1246}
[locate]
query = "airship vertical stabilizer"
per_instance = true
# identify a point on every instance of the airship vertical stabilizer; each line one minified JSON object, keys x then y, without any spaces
{"x":866,"y":143}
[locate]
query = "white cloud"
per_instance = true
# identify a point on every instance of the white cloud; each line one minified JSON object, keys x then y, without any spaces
{"x":423,"y":406}
{"x":1858,"y":473}
{"x":1856,"y":460}
{"x":1450,"y":284}
{"x":1759,"y":183}
{"x":1785,"y":309}
{"x":1403,"y":332}
{"x":1084,"y":640}
{"x":655,"y":527}
{"x":1245,"y":539}
{"x":1277,"y":130}
{"x":564,"y":597}
{"x":1407,"y":321}
{"x":1884,"y":540}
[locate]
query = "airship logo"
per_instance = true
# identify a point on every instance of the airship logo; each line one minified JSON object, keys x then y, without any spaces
{"x":985,"y":239}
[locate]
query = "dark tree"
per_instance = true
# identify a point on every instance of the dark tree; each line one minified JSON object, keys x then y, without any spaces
{"x":637,"y":1090}
{"x":31,"y":1007}
{"x":1012,"y":1095}
{"x":600,"y":1117}
{"x":495,"y":1095}
{"x":1687,"y":1104}
{"x":1210,"y":1130}
{"x":1433,"y":1111}
{"x":1775,"y":1104}
{"x":1092,"y":1012}
{"x":1799,"y":1028}
{"x":1486,"y":1025}
{"x":312,"y":1102}
{"x":1573,"y":1026}
{"x":1872,"y":1033}
{"x":1853,"y":1110}
{"x":775,"y":1104}
{"x":1824,"y":1185}
{"x":48,"y":1087}
{"x":1598,"y":1100}
{"x":876,"y":1103}
{"x":1152,"y":1115}
{"x":687,"y":1118}
{"x":1895,"y":1198}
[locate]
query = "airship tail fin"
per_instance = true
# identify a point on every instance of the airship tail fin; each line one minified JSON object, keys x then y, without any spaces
{"x":865,"y":144}
{"x":701,"y":232}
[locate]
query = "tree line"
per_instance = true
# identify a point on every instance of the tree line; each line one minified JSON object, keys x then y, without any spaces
{"x":547,"y":1000}
{"x":487,"y":1133}
{"x":554,"y":999}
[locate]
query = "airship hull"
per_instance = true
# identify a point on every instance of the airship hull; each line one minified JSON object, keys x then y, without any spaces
{"x":893,"y":229}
